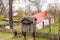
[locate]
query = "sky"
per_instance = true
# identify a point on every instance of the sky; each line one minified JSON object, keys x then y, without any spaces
{"x":21,"y":4}
{"x":46,"y":4}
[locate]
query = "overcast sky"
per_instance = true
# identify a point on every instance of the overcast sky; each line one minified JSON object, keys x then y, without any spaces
{"x":21,"y":4}
{"x":46,"y":4}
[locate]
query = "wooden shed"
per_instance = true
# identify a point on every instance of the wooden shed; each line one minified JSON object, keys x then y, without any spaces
{"x":28,"y":24}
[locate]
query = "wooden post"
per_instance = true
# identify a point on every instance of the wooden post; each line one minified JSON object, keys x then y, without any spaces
{"x":24,"y":34}
{"x":43,"y":24}
{"x":34,"y":35}
{"x":49,"y":25}
{"x":58,"y":36}
{"x":15,"y":33}
{"x":34,"y":29}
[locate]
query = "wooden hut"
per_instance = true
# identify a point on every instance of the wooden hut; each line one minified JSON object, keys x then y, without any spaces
{"x":28,"y":24}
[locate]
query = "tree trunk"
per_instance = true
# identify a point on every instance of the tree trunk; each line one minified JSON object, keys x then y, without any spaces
{"x":50,"y":28}
{"x":10,"y":14}
{"x":59,"y":27}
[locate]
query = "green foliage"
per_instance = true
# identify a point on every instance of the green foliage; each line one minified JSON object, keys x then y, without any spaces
{"x":45,"y":30}
{"x":21,"y":14}
{"x":40,"y":38}
{"x":52,"y":11}
{"x":54,"y":30}
{"x":17,"y":27}
{"x":15,"y":19}
{"x":2,"y":22}
{"x":1,"y":17}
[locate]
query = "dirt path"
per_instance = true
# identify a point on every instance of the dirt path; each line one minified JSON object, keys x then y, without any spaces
{"x":29,"y":38}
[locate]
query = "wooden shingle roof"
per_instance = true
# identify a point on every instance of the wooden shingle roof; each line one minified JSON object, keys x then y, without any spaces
{"x":29,"y":18}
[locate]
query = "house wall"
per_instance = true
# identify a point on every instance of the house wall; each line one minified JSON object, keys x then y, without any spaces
{"x":52,"y":20}
{"x":46,"y":22}
{"x":39,"y":25}
{"x":7,"y":27}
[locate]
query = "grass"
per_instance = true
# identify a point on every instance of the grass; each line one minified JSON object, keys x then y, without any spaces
{"x":40,"y":38}
{"x":18,"y":27}
{"x":54,"y":30}
{"x":2,"y":22}
{"x":8,"y":36}
{"x":5,"y":36}
{"x":37,"y":38}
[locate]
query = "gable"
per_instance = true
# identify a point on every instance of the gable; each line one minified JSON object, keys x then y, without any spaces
{"x":26,"y":21}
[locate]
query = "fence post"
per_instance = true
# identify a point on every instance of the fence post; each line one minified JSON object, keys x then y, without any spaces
{"x":43,"y":24}
{"x":50,"y":28}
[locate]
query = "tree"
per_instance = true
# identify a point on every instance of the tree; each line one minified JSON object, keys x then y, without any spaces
{"x":21,"y":14}
{"x":38,"y":4}
{"x":10,"y":14}
{"x":1,"y":7}
{"x":33,"y":6}
{"x":55,"y":11}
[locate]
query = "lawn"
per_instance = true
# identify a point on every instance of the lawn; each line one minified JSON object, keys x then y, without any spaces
{"x":8,"y":36}
{"x":2,"y":22}
{"x":17,"y":27}
{"x":54,"y":30}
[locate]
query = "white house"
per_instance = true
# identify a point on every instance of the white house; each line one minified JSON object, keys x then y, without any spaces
{"x":43,"y":19}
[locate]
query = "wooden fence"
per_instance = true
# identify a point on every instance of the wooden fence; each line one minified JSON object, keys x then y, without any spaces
{"x":48,"y":36}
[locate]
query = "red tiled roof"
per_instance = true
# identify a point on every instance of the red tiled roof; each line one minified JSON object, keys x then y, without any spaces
{"x":42,"y":15}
